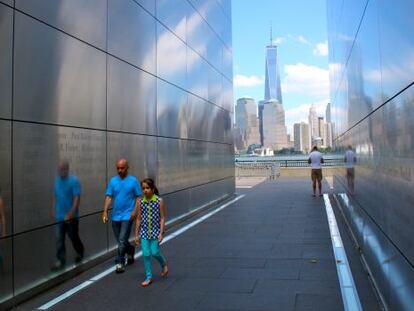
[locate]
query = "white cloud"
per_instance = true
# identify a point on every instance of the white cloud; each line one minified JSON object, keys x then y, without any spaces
{"x":303,"y":40}
{"x":321,"y":49}
{"x":299,"y":38}
{"x":306,"y":80}
{"x":247,"y":81}
{"x":278,"y":40}
{"x":301,"y":113}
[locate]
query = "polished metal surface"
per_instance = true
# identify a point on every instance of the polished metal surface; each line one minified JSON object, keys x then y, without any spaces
{"x":177,"y":203}
{"x":168,"y":44}
{"x":197,"y":124}
{"x":371,"y":61}
{"x":396,"y":49}
{"x":6,"y":269}
{"x":131,"y":34}
{"x":57,"y":79}
{"x":5,"y":177}
{"x":30,"y":271}
{"x":227,"y":95}
{"x":197,"y":79}
{"x":6,"y":266}
{"x":215,"y":53}
{"x":132,"y":105}
{"x":173,"y":170}
{"x":139,"y":150}
{"x":9,"y":2}
{"x":198,"y":33}
{"x":6,"y":41}
{"x":227,"y":63}
{"x":37,"y":150}
{"x":85,"y":20}
{"x":214,"y":85}
{"x":148,"y":5}
{"x":95,"y":81}
{"x":173,"y":14}
{"x":171,"y":110}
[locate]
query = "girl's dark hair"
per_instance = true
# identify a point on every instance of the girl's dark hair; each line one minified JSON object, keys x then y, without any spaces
{"x":150,"y":184}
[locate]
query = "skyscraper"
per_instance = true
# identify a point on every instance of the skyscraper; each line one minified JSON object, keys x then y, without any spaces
{"x":302,"y":139}
{"x":328,"y":112}
{"x":328,"y":135}
{"x":271,"y":112}
{"x":274,"y":129}
{"x":247,"y":121}
{"x":272,"y":76}
{"x":313,"y":124}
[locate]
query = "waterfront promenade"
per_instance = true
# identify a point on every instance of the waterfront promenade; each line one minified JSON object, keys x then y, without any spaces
{"x":270,"y":250}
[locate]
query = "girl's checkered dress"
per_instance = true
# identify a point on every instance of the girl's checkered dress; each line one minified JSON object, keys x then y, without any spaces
{"x":150,"y":218}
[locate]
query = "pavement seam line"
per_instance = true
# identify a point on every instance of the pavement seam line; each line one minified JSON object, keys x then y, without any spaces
{"x":108,"y":271}
{"x":349,"y":292}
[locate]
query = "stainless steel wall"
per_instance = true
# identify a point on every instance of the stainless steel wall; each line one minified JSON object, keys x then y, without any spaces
{"x":372,"y":93}
{"x":91,"y":81}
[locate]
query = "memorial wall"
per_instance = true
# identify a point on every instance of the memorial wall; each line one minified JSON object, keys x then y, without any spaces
{"x":90,"y":81}
{"x":372,"y":93}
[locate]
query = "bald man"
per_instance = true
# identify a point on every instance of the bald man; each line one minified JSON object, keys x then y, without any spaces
{"x":122,"y":192}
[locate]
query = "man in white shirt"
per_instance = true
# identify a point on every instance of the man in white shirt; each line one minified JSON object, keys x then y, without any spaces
{"x":350,"y":160}
{"x":316,"y":161}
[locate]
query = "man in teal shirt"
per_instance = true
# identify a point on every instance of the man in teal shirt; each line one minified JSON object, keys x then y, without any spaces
{"x":122,"y":192}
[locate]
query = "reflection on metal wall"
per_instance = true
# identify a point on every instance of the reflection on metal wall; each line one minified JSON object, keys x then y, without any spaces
{"x":92,"y":81}
{"x":372,"y":94}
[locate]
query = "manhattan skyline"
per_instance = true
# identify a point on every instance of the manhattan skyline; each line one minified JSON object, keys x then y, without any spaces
{"x":302,"y":50}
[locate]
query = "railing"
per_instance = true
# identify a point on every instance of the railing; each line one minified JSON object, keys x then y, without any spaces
{"x":304,"y":163}
{"x":269,"y":167}
{"x":269,"y":170}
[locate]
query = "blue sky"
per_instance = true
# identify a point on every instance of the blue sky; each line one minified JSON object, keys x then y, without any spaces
{"x":299,"y":30}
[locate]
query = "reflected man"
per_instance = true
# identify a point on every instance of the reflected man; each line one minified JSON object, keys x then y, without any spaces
{"x":122,"y":192}
{"x":350,"y":160}
{"x":66,"y":210}
{"x":316,"y":161}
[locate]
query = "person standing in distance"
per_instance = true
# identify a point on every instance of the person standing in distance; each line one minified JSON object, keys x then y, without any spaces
{"x":316,"y":161}
{"x":122,"y":192}
{"x":350,"y":160}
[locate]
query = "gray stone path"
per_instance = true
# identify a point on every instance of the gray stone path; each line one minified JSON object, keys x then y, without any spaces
{"x":269,"y":251}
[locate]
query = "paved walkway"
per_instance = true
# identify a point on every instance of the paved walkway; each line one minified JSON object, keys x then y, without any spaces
{"x":270,"y":250}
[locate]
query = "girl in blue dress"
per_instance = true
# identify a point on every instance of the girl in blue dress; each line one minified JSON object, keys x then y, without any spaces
{"x":149,"y":229}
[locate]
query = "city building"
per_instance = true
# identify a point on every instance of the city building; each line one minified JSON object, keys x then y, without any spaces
{"x":321,"y":130}
{"x":290,"y":141}
{"x":90,"y":82}
{"x":313,"y":124}
{"x":273,"y":89}
{"x":260,"y":111}
{"x":274,"y":128}
{"x":328,"y":112}
{"x":372,"y":103}
{"x":328,"y":135}
{"x":302,"y":138}
{"x":247,"y":121}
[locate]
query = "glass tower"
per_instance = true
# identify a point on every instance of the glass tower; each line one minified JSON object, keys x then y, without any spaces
{"x":272,"y":79}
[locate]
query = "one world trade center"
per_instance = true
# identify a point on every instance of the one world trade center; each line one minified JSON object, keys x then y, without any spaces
{"x":272,"y":79}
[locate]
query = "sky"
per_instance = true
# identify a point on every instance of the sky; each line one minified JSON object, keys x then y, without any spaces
{"x":299,"y":31}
